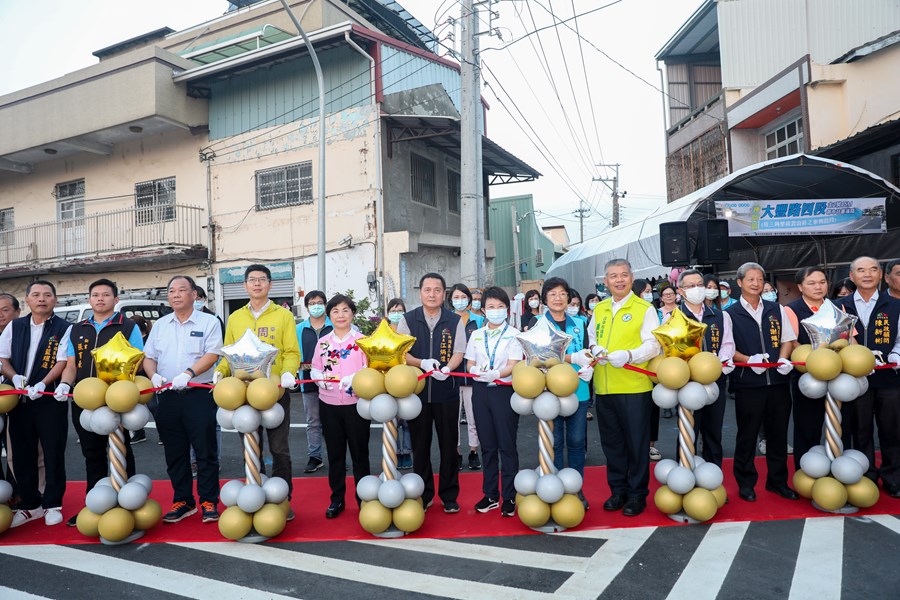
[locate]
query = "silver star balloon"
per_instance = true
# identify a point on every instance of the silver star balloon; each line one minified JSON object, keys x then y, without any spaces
{"x":544,"y":344}
{"x":249,"y":354}
{"x":828,"y":325}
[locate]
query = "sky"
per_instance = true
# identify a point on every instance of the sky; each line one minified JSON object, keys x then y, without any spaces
{"x":561,"y":106}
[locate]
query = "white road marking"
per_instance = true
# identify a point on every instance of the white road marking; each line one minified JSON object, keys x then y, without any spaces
{"x":11,"y":594}
{"x":892,"y":523}
{"x":819,"y":567}
{"x":706,"y":571}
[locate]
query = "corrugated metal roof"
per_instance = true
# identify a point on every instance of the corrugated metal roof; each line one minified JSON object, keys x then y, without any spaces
{"x":698,"y":35}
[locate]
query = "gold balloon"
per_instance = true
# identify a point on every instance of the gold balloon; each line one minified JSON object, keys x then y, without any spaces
{"x":700,"y":504}
{"x":90,"y":393}
{"x":829,"y":493}
{"x":117,"y":360}
{"x":409,"y":516}
{"x":654,"y":364}
{"x":562,"y":380}
{"x":667,"y":501}
{"x":533,"y":511}
{"x":803,"y":483}
{"x":88,"y":522}
{"x":234,"y":523}
{"x":420,"y":383}
{"x":519,"y":498}
{"x":116,"y":524}
{"x":838,"y":345}
{"x":385,"y":348}
{"x":144,"y":383}
{"x":285,"y":506}
{"x":270,"y":520}
{"x":857,"y":360}
{"x":568,"y":511}
{"x":705,"y":368}
{"x":721,"y":496}
{"x":262,"y":394}
{"x":6,"y":517}
{"x":230,"y":393}
{"x":824,"y":364}
{"x":243,"y":374}
{"x":800,"y":354}
{"x":679,"y":334}
{"x":528,"y":382}
{"x":673,"y":373}
{"x":368,"y":383}
{"x":8,"y":401}
{"x":147,"y":516}
{"x":863,"y":494}
{"x":400,"y":381}
{"x":122,"y":396}
{"x":375,"y":517}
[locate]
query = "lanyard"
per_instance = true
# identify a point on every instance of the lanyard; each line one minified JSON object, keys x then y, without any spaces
{"x":487,"y":350}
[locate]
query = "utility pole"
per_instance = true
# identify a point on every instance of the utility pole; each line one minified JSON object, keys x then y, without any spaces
{"x":614,"y":189}
{"x":469,"y":260}
{"x":515,"y":237}
{"x":581,"y":213}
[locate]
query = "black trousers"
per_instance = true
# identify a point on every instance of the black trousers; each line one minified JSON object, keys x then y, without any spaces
{"x":343,"y":430}
{"x":809,"y":417}
{"x":188,"y":418}
{"x":443,"y":417}
{"x":624,"y":424}
{"x":278,"y":444}
{"x":708,"y":424}
{"x":881,"y":406}
{"x":39,"y":421}
{"x":498,"y":425}
{"x":754,"y":407}
{"x":654,"y":423}
{"x":94,"y":449}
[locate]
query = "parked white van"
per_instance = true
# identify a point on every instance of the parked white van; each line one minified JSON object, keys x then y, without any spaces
{"x":149,"y":309}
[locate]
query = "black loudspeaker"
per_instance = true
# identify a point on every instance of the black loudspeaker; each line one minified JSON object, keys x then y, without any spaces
{"x":712,"y":242}
{"x":674,"y":244}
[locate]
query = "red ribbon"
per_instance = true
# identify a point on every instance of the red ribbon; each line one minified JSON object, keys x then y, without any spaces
{"x":466,"y":375}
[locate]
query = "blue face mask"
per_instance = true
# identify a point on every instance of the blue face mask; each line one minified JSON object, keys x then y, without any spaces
{"x":316,"y":310}
{"x":496,"y":316}
{"x":199,"y":304}
{"x":770,"y":296}
{"x":476,"y":304}
{"x":460,"y":303}
{"x":395,"y":316}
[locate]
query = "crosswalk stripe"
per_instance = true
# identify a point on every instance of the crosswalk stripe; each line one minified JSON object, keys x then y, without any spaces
{"x":704,"y":574}
{"x":183,"y":584}
{"x":445,"y":587}
{"x":888,"y":521}
{"x":521,"y":558}
{"x":818,"y":571}
{"x":11,"y":594}
{"x":607,"y":562}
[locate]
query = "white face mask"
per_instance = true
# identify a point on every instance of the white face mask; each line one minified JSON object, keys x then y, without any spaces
{"x":199,"y":304}
{"x":394,"y":316}
{"x":476,"y":304}
{"x":316,"y":310}
{"x":534,"y":303}
{"x":711,"y":294}
{"x":460,"y":303}
{"x":724,"y":294}
{"x":695,"y":295}
{"x":770,"y":296}
{"x":592,"y":305}
{"x":572,"y":310}
{"x":495,"y":315}
{"x":647,"y":297}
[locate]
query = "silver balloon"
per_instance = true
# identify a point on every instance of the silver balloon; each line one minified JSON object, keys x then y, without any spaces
{"x":250,"y":354}
{"x":546,"y":406}
{"x":367,"y":488}
{"x":863,"y":385}
{"x":525,"y":481}
{"x":413,"y":485}
{"x":662,"y":469}
{"x":811,"y":387}
{"x":844,"y":388}
{"x":664,"y":397}
{"x":276,"y":489}
{"x":815,"y":465}
{"x":100,"y":499}
{"x":142,"y":479}
{"x":520,"y":405}
{"x":568,"y":405}
{"x":859,"y":457}
{"x":708,"y":476}
{"x":136,"y":418}
{"x":409,"y":408}
{"x":820,"y":448}
{"x":229,"y":492}
{"x":681,"y":480}
{"x":571,"y":480}
{"x":105,"y":481}
{"x":382,"y":409}
{"x":246,"y":419}
{"x":362,"y":409}
{"x":692,"y":396}
{"x":272,"y":417}
{"x":712,"y":393}
{"x":132,"y":496}
{"x":544,"y":345}
{"x":846,"y":470}
{"x":251,"y":498}
{"x":549,"y":488}
{"x":391,"y":493}
{"x":6,"y":491}
{"x":698,"y":460}
{"x":85,"y":419}
{"x":224,"y":418}
{"x":104,"y":421}
{"x":828,"y":325}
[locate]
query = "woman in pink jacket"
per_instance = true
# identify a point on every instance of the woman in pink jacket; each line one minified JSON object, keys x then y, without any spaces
{"x":337,"y":358}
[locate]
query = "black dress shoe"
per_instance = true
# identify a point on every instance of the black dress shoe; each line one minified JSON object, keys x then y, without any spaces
{"x":615,"y":502}
{"x":334,"y":510}
{"x":892,"y":490}
{"x":634,"y":507}
{"x":782,"y":490}
{"x":747,"y":493}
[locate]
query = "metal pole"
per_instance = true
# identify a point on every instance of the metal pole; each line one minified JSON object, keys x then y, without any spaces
{"x":321,"y":81}
{"x":468,"y":235}
{"x":480,"y":201}
{"x":515,"y":237}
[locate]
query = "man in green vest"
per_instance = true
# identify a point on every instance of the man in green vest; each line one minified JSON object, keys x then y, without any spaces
{"x":620,"y":333}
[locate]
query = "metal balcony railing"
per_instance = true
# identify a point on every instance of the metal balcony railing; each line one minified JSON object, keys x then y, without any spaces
{"x":105,"y":233}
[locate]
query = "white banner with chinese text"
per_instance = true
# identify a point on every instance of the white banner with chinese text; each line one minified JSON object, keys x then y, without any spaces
{"x":797,"y":217}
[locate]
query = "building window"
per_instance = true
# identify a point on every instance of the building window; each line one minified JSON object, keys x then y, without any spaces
{"x":284,"y":186}
{"x":453,"y":191}
{"x":6,"y":226}
{"x":155,"y":201}
{"x":786,"y":140}
{"x":422,"y":172}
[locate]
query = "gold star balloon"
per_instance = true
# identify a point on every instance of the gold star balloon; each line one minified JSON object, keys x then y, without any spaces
{"x":385,"y":348}
{"x":679,"y":336}
{"x":117,"y":360}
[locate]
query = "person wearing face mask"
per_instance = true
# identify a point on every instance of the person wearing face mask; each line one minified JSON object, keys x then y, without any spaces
{"x":461,"y":299}
{"x":532,"y":307}
{"x":590,"y":303}
{"x":575,"y":306}
{"x":491,"y":354}
{"x":309,"y":332}
{"x":476,"y":303}
{"x":395,"y":310}
{"x":725,"y":299}
{"x":201,"y":304}
{"x":711,"y":292}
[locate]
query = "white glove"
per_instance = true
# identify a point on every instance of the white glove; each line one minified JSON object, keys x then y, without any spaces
{"x":758,"y":358}
{"x":217,"y":377}
{"x":288,"y":381}
{"x":157,"y":380}
{"x":879,"y":357}
{"x":476,"y":370}
{"x":34,"y":391}
{"x":728,"y":367}
{"x":586,"y":373}
{"x":894,"y":359}
{"x":784,"y":366}
{"x":319,"y":376}
{"x":346,"y":383}
{"x":180,"y":381}
{"x":18,"y":382}
{"x":488,"y":376}
{"x":598,"y":351}
{"x":61,"y":392}
{"x":441,"y":375}
{"x":618,"y":358}
{"x":430,"y":364}
{"x":581,"y":358}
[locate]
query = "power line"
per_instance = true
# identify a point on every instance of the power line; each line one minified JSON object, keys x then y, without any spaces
{"x":587,"y":84}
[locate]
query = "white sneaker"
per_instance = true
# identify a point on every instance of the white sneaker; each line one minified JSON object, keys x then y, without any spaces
{"x":762,"y":447}
{"x":790,"y":449}
{"x":53,"y":516}
{"x":23,"y":516}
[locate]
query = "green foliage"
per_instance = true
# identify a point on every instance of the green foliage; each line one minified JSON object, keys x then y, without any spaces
{"x":363,"y":319}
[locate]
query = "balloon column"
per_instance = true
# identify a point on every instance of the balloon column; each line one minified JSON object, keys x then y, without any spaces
{"x":8,"y":402}
{"x":257,"y":507}
{"x":691,"y":488}
{"x":543,"y":385}
{"x":835,"y":370}
{"x":117,"y":509}
{"x":388,"y":390}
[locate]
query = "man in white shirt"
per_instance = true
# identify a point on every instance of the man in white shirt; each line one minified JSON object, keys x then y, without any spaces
{"x":182,"y":348}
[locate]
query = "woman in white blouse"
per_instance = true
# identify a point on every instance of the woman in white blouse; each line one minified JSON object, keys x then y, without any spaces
{"x":491,"y":353}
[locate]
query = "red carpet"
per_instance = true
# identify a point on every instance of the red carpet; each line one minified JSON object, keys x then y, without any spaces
{"x":311,"y":499}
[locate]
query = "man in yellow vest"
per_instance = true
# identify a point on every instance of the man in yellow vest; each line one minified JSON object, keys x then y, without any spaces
{"x":620,"y":333}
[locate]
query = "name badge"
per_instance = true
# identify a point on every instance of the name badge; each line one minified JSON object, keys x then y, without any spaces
{"x":626,"y":317}
{"x":197,"y":334}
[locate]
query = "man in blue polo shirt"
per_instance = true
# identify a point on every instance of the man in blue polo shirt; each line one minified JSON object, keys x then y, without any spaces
{"x":308,"y":334}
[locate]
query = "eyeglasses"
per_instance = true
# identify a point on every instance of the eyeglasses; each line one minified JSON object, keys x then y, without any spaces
{"x":557,"y":296}
{"x":690,"y":287}
{"x":257,"y":279}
